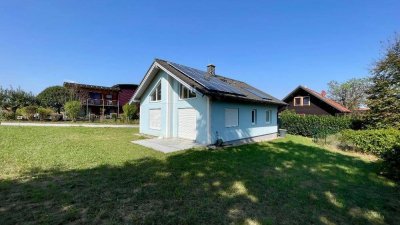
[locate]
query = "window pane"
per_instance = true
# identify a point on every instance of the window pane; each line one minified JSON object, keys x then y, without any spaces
{"x":192,"y":94}
{"x":297,"y":101}
{"x":306,"y":100}
{"x":159,"y":92}
{"x":268,"y":116}
{"x":253,"y":116}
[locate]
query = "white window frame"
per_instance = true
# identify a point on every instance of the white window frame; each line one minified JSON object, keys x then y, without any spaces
{"x":150,"y":124}
{"x":155,"y":90}
{"x":237,"y":119}
{"x":188,"y":90}
{"x":255,"y":117}
{"x":269,"y":121}
{"x":301,"y":101}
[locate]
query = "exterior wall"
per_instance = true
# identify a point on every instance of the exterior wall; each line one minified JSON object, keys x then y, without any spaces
{"x":316,"y":107}
{"x":169,"y":105}
{"x":245,"y":129}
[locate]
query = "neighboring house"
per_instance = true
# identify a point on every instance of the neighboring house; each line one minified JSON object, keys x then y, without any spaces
{"x":183,"y":102}
{"x":101,"y":100}
{"x":306,"y":101}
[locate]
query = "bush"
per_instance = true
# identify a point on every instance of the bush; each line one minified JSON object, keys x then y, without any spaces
{"x":72,"y":108}
{"x":55,"y":117}
{"x":392,"y":162}
{"x":376,"y":142}
{"x":114,"y":116}
{"x":129,"y":111}
{"x":313,"y":125}
{"x":44,"y":113}
{"x":28,"y":112}
{"x":7,"y":115}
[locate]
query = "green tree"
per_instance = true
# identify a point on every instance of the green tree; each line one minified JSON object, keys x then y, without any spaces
{"x":12,"y":99}
{"x":72,"y":108}
{"x":384,"y":99}
{"x":352,"y":93}
{"x":54,"y":97}
{"x":129,"y":111}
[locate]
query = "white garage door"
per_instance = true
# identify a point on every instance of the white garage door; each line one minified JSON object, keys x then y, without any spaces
{"x":187,"y":123}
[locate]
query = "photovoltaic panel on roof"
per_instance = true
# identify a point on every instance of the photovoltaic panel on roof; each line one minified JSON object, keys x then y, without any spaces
{"x":211,"y":83}
{"x":258,"y":93}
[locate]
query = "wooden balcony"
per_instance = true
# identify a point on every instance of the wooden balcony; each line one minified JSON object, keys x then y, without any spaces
{"x":100,"y":102}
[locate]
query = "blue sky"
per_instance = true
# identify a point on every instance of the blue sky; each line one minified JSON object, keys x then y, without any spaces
{"x":273,"y":45}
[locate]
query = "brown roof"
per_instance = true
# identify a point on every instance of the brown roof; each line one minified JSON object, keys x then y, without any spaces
{"x":328,"y":101}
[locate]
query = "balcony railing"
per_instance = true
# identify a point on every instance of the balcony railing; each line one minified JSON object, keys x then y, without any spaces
{"x":100,"y":102}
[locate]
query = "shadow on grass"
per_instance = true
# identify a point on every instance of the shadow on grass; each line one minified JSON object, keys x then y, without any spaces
{"x":282,"y":182}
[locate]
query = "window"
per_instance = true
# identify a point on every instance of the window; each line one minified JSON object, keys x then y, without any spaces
{"x":306,"y":100}
{"x":301,"y":101}
{"x":155,"y":119}
{"x":231,"y":117}
{"x":156,"y":94}
{"x":254,"y":116}
{"x":268,"y":115}
{"x":185,"y":93}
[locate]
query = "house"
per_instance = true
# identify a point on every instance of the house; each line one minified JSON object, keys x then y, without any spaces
{"x":101,"y":100}
{"x":304,"y":101}
{"x":177,"y":101}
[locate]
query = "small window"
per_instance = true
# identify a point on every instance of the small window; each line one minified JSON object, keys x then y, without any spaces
{"x":156,"y":94}
{"x":306,"y":100}
{"x":268,"y":115}
{"x":185,"y":93}
{"x":253,"y":116}
{"x":301,"y":101}
{"x":297,"y":101}
{"x":231,"y":117}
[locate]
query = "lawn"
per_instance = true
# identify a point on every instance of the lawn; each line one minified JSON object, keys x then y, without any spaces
{"x":58,"y":175}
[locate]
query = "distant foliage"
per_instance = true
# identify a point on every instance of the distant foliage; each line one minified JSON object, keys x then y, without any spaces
{"x":376,"y":142}
{"x":313,"y":125}
{"x":352,"y":93}
{"x":7,"y":115}
{"x":129,"y":111}
{"x":11,"y":99}
{"x":72,"y":108}
{"x":44,"y":113}
{"x":54,"y":97}
{"x":384,"y":94}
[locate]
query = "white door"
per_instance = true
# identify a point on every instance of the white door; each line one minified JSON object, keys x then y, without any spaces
{"x":187,"y":123}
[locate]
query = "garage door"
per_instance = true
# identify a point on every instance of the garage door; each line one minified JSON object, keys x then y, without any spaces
{"x":187,"y":123}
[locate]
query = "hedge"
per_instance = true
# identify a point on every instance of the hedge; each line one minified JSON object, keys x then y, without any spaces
{"x":313,"y":125}
{"x":377,"y":142}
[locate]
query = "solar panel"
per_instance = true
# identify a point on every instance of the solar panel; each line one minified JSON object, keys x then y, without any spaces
{"x":211,"y":83}
{"x":258,"y":93}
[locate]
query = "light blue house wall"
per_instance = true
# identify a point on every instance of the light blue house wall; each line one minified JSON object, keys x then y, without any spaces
{"x":169,"y":105}
{"x":245,"y":129}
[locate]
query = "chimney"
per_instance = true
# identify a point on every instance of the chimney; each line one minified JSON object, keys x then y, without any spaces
{"x":210,"y":70}
{"x":323,"y":93}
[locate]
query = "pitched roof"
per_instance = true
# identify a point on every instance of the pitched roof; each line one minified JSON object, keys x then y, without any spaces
{"x":328,"y":101}
{"x":217,"y":86}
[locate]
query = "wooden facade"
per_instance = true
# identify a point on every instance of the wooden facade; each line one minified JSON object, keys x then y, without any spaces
{"x":318,"y":103}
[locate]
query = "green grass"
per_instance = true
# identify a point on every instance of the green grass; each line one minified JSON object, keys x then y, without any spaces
{"x":58,"y":175}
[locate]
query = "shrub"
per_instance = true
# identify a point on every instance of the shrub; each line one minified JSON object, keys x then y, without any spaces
{"x":392,"y":162}
{"x":44,"y":113}
{"x":377,"y":142}
{"x":72,"y":108}
{"x":7,"y":115}
{"x":55,"y":117}
{"x":114,"y":116}
{"x":28,"y":112}
{"x":313,"y":125}
{"x":129,"y":111}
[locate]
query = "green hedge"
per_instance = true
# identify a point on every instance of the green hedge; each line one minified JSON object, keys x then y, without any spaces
{"x":377,"y":142}
{"x":313,"y":125}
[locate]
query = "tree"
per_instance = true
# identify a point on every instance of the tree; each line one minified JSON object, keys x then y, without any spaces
{"x":12,"y":99}
{"x":72,"y":108}
{"x":129,"y":111}
{"x":352,"y":93}
{"x":384,"y":99}
{"x":54,"y":97}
